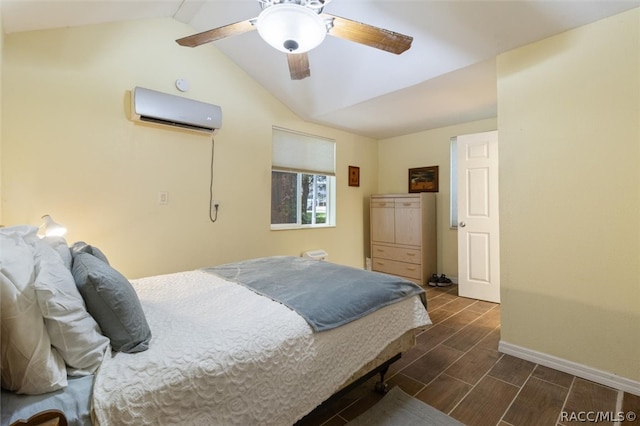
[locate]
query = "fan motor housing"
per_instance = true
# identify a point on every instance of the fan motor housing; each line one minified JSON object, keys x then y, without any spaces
{"x":315,"y":5}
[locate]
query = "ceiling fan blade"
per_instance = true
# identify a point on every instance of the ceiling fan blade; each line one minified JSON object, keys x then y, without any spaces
{"x":368,"y":35}
{"x":298,"y":65}
{"x":217,"y":33}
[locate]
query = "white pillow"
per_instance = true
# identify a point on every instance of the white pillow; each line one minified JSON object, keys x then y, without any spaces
{"x":73,"y":331}
{"x":59,"y":244}
{"x":29,"y":364}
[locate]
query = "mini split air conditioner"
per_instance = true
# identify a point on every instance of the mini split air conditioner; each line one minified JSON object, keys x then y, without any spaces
{"x":175,"y":111}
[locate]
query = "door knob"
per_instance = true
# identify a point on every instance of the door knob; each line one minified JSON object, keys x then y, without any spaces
{"x":462,"y":224}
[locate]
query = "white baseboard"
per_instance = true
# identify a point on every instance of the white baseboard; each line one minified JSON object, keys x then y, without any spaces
{"x":570,"y":367}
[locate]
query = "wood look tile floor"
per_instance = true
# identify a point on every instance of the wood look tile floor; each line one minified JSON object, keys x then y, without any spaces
{"x":456,"y":368}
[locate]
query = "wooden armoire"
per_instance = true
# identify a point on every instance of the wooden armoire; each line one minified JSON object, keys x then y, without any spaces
{"x":403,"y":235}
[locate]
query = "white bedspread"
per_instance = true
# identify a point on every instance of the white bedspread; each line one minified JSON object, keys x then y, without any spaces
{"x":223,"y":355}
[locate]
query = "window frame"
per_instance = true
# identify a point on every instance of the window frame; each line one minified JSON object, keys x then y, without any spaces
{"x":453,"y":190}
{"x":330,"y":220}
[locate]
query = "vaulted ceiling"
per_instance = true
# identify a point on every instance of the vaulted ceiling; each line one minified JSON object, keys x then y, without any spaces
{"x":448,"y":76}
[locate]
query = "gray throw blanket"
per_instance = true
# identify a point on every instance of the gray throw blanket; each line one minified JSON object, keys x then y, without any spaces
{"x":325,"y":294}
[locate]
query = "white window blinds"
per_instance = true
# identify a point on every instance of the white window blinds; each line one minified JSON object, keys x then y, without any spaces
{"x":299,"y":152}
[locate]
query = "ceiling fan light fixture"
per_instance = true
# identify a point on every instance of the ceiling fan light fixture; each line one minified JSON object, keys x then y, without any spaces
{"x":291,"y":28}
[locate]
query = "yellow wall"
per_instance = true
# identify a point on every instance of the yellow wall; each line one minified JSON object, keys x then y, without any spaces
{"x":569,"y":122}
{"x":70,"y":151}
{"x":429,"y":148}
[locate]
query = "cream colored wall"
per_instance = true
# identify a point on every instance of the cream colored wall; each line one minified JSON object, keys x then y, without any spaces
{"x":1,"y":61}
{"x":429,"y":148}
{"x":70,"y":151}
{"x":569,"y":120}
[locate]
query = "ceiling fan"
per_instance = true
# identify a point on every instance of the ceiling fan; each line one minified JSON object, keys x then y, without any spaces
{"x":297,"y":26}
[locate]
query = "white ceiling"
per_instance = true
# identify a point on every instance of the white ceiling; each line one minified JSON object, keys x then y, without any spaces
{"x":447,"y":77}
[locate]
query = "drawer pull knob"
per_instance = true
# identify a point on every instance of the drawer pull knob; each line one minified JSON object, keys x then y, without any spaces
{"x":407,"y":204}
{"x":411,"y":269}
{"x":411,"y":254}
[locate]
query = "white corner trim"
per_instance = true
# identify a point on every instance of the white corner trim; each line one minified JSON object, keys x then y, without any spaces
{"x":570,"y":367}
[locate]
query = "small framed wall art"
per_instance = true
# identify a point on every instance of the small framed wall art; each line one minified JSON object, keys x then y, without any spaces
{"x":423,"y":179}
{"x":354,"y":176}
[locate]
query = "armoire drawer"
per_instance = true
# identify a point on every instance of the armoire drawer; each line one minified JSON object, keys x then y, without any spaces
{"x":397,"y":268}
{"x":396,"y":253}
{"x":387,"y":202}
{"x":406,"y":203}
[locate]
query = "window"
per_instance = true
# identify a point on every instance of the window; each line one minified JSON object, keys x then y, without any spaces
{"x":302,"y":181}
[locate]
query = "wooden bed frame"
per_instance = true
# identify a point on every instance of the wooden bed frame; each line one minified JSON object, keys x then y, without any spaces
{"x":44,"y":418}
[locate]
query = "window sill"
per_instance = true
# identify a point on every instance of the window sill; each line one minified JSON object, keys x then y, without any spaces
{"x":290,"y":227}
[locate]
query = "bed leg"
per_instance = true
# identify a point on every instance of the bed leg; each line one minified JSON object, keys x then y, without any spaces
{"x":381,"y":386}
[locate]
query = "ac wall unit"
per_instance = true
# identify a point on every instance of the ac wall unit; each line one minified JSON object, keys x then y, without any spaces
{"x":170,"y":110}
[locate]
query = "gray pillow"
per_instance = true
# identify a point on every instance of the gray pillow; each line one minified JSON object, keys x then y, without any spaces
{"x":113,"y":303}
{"x":82,"y":247}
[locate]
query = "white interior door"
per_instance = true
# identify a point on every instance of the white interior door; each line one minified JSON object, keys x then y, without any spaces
{"x":478,"y":219}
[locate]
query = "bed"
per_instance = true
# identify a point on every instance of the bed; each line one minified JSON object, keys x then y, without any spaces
{"x":214,"y":346}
